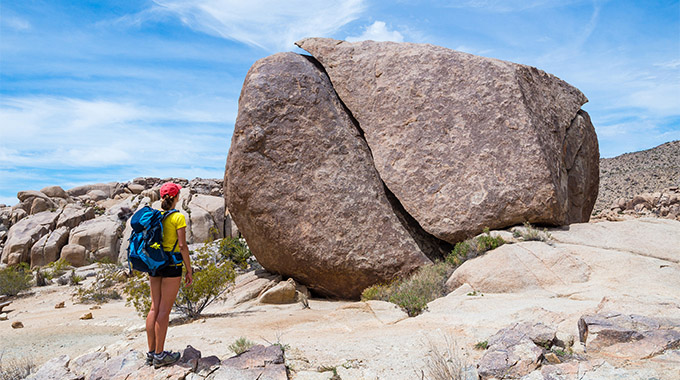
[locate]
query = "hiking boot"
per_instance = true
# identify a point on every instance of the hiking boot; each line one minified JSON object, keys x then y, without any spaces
{"x":149,"y":358}
{"x":165,"y":358}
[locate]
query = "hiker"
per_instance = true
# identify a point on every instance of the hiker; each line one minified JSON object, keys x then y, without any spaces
{"x":165,"y":284}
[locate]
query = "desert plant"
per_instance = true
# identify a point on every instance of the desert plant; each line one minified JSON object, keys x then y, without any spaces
{"x":212,"y":278}
{"x":102,"y":289}
{"x":55,"y":269}
{"x":241,"y":345}
{"x":40,"y":279}
{"x":211,"y":281}
{"x":138,"y":293}
{"x":482,"y":345}
{"x":446,"y":363}
{"x":15,"y":369}
{"x":474,"y":247}
{"x":235,"y":250}
{"x":379,"y":292}
{"x":425,"y":285}
{"x":15,"y":279}
{"x":532,"y":234}
{"x":74,"y":279}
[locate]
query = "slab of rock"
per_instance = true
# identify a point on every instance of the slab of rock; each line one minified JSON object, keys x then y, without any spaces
{"x":514,"y":351}
{"x":629,"y":336}
{"x":251,"y":285}
{"x":518,"y":267}
{"x":24,"y":234}
{"x":258,"y":363}
{"x":659,"y":238}
{"x":48,"y":248}
{"x":108,"y":189}
{"x":100,"y":236}
{"x":41,"y":204}
{"x":467,"y":142}
{"x":56,"y":368}
{"x":303,"y":189}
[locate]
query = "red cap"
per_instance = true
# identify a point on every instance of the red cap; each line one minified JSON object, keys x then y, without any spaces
{"x":170,"y":188}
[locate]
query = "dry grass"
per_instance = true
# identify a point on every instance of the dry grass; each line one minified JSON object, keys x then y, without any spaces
{"x":15,"y":369}
{"x":445,"y":363}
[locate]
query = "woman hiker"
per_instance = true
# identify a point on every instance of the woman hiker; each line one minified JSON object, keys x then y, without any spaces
{"x":166,"y":283}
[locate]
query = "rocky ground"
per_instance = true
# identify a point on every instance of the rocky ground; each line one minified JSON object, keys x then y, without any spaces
{"x":596,"y":301}
{"x":630,"y":174}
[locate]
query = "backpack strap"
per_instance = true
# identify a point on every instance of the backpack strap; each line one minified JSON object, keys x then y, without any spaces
{"x":165,"y":215}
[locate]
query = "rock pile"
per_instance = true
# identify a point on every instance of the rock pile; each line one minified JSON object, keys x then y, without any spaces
{"x":647,"y":171}
{"x":662,"y":204}
{"x":369,"y":159}
{"x":259,"y":362}
{"x":89,"y":223}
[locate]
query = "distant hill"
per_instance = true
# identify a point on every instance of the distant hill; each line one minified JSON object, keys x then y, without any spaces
{"x":640,"y":172}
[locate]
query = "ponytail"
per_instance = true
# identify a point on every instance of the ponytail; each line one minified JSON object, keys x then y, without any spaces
{"x":167,"y":202}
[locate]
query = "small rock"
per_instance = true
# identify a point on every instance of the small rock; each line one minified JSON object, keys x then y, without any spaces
{"x":552,"y":358}
{"x":95,"y":307}
{"x":17,"y":325}
{"x":3,"y":317}
{"x":86,"y":316}
{"x":60,"y":305}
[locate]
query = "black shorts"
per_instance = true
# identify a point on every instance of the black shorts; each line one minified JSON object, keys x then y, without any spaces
{"x":170,"y":271}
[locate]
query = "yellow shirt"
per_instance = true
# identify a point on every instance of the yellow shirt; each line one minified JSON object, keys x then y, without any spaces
{"x":170,"y":226}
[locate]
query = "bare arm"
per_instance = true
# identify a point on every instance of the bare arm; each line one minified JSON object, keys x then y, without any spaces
{"x":184,"y":250}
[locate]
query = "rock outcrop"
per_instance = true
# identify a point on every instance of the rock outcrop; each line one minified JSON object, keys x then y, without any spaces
{"x":92,"y":219}
{"x":302,"y":188}
{"x":368,"y":159}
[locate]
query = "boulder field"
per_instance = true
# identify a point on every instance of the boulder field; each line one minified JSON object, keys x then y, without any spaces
{"x":91,"y":222}
{"x":365,"y":160}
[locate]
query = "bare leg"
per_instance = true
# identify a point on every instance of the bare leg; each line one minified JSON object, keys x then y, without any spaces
{"x":155,"y":284}
{"x":169,"y":288}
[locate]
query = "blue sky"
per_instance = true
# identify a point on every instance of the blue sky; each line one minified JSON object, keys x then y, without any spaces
{"x":99,"y":91}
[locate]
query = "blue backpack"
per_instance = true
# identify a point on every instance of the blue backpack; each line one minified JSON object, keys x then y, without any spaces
{"x":145,"y":252}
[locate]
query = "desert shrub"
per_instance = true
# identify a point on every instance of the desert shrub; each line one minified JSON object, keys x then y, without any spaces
{"x":40,"y":279}
{"x":74,"y":279}
{"x":103,"y":289}
{"x":15,"y":369}
{"x":532,"y":234}
{"x":138,"y":293}
{"x":483,"y":345}
{"x":445,"y":363}
{"x":474,"y":247}
{"x":425,"y":285}
{"x":15,"y":279}
{"x":414,"y":292}
{"x":55,"y":269}
{"x":236,"y":251}
{"x":379,"y":292}
{"x":212,"y":278}
{"x":241,"y":345}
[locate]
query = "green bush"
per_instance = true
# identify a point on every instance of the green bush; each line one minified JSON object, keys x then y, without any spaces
{"x":212,"y":277}
{"x":55,"y":269}
{"x":474,"y":247}
{"x":15,"y":279}
{"x":211,"y":281}
{"x":102,"y":290}
{"x":413,"y":293}
{"x":532,"y":234}
{"x":138,"y":293}
{"x":235,"y":250}
{"x":241,"y":345}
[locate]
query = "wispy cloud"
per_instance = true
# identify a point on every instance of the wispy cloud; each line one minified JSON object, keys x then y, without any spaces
{"x":51,"y":132}
{"x":378,"y":31}
{"x":503,"y":6}
{"x":16,"y":23}
{"x":269,"y":25}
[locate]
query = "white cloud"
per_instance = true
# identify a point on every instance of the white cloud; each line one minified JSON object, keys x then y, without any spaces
{"x":49,"y":132}
{"x":269,"y":25}
{"x":378,"y":32}
{"x":16,"y":23}
{"x":503,"y":6}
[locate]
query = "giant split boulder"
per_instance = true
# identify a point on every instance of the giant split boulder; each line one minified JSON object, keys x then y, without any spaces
{"x":357,"y":164}
{"x":303,"y":188}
